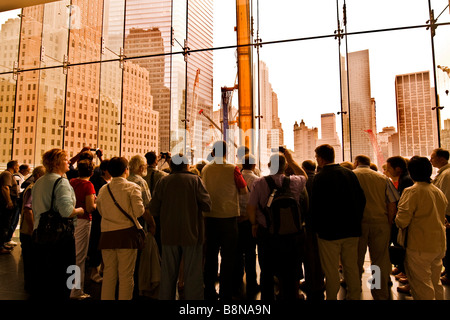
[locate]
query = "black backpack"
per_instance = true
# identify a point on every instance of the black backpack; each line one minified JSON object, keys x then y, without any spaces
{"x":282,"y":212}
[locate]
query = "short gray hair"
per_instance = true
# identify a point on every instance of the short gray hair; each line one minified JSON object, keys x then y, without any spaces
{"x":136,"y":162}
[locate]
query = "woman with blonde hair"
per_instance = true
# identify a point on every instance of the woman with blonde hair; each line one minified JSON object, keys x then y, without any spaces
{"x":51,"y":263}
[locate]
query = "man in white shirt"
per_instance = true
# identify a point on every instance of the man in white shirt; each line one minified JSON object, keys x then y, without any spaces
{"x":224,"y":183}
{"x":381,"y":205}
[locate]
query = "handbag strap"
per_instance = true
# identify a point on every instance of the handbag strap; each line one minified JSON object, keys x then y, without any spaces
{"x":118,"y":206}
{"x":53,"y":191}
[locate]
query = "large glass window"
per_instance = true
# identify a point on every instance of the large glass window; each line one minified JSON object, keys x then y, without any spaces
{"x":173,"y":76}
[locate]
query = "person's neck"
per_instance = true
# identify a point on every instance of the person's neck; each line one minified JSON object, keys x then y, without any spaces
{"x":441,"y":165}
{"x":59,"y":172}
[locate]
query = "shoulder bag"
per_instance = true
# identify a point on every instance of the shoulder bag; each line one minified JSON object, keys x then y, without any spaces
{"x":138,"y":233}
{"x":53,"y":228}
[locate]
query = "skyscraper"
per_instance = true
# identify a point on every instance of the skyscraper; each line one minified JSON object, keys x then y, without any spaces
{"x":416,"y":120}
{"x":329,"y":134}
{"x":271,"y":131}
{"x":305,"y":141}
{"x":79,"y":103}
{"x":358,"y":106}
{"x":155,"y":28}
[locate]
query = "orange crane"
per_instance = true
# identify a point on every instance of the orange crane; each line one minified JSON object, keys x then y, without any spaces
{"x":375,"y":146}
{"x":245,"y":67}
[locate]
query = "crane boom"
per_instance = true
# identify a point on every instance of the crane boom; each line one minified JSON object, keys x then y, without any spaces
{"x":213,"y":123}
{"x":375,"y":147}
{"x":445,"y":69}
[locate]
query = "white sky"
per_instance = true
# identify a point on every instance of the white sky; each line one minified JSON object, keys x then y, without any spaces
{"x":305,"y":74}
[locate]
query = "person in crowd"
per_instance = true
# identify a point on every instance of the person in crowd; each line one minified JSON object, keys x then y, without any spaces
{"x":314,"y":284}
{"x":138,"y":170}
{"x":199,"y":165}
{"x":387,"y":174}
{"x":19,"y":178}
{"x":8,"y":204}
{"x":421,"y":209}
{"x":85,"y":195}
{"x":224,"y":183}
{"x":22,"y":175}
{"x":51,"y":262}
{"x":396,"y":166}
{"x":241,"y":152}
{"x":182,"y":228}
{"x":119,"y":251}
{"x":26,"y":228}
{"x":439,"y":159}
{"x":194,"y":170}
{"x":246,"y":245}
{"x":94,"y":254}
{"x":381,"y":205}
{"x":338,"y":203}
{"x":279,"y":255}
{"x":153,"y":174}
{"x":152,"y":177}
{"x":84,"y":154}
{"x":347,"y":164}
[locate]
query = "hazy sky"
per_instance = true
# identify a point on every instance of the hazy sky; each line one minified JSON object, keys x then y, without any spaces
{"x":305,"y":74}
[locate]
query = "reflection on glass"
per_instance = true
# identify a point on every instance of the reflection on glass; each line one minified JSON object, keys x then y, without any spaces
{"x":55,"y":33}
{"x":7,"y":94}
{"x":109,"y":115}
{"x":83,"y":87}
{"x":139,"y":129}
{"x":49,"y":125}
{"x":9,"y":44}
{"x":85,"y":24}
{"x":148,"y":32}
{"x":9,"y":39}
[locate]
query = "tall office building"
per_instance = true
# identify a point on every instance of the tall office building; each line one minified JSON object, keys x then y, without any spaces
{"x":155,"y":28}
{"x":9,"y":33}
{"x":329,"y":134}
{"x":271,"y":131}
{"x":305,"y":141}
{"x":358,"y":106}
{"x":76,"y":104}
{"x":388,"y":142}
{"x":277,"y":134}
{"x":445,"y":135}
{"x":416,"y":120}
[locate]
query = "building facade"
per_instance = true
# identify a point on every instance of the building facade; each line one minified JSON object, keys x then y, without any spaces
{"x":305,"y":141}
{"x":329,"y":134}
{"x":416,"y":120}
{"x":358,"y":106}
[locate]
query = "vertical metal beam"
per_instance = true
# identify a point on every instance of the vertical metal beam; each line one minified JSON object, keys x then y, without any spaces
{"x":245,"y":68}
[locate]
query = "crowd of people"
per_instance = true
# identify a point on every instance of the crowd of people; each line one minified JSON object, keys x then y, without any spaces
{"x":197,"y":232}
